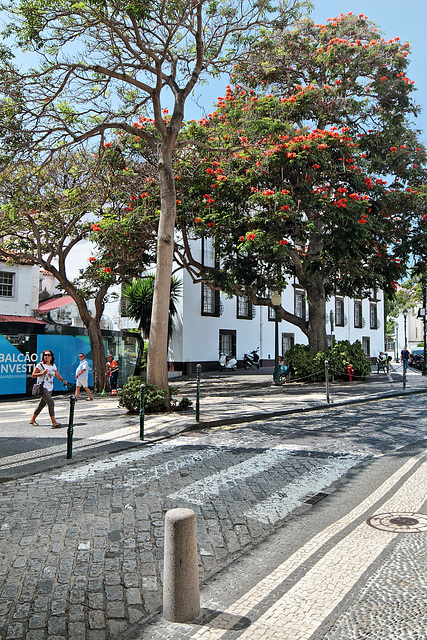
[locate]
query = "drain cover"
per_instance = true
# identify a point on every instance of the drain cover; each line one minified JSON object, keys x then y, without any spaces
{"x":403,"y":522}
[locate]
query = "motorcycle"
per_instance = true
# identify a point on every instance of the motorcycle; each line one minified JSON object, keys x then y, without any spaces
{"x":227,"y":361}
{"x":251,"y":359}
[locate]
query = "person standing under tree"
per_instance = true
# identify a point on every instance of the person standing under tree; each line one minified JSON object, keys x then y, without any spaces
{"x":113,"y":371}
{"x":48,"y":370}
{"x":82,"y":373}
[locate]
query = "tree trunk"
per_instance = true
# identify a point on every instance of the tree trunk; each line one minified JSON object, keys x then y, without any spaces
{"x":94,"y":332}
{"x":98,"y":354}
{"x":316,"y":330}
{"x":157,"y":372}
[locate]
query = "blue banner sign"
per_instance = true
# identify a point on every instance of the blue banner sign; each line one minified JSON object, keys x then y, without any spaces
{"x":17,"y":361}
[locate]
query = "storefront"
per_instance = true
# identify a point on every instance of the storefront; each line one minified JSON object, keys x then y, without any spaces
{"x":22,"y":343}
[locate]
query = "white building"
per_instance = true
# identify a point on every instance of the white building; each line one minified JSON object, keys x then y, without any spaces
{"x":210,"y":323}
{"x":19,"y":289}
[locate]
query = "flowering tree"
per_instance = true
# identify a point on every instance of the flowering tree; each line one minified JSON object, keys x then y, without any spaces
{"x":317,"y":173}
{"x":104,"y":64}
{"x":46,"y":213}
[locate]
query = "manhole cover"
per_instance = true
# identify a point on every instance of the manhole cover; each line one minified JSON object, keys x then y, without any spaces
{"x":403,"y":522}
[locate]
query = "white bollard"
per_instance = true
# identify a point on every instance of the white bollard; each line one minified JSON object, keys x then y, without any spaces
{"x":181,"y":597}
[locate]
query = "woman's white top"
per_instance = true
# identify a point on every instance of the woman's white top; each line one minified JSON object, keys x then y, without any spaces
{"x":49,"y":376}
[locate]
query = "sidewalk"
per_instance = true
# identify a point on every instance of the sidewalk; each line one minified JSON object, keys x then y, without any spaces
{"x":236,"y":397}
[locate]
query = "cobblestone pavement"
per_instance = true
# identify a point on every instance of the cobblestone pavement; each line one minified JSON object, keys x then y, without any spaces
{"x":81,"y":546}
{"x":345,"y":580}
{"x":225,"y":398}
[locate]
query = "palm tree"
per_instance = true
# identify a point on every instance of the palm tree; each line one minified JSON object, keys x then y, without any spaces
{"x":138,"y":298}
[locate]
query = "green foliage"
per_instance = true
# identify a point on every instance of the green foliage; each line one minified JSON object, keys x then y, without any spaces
{"x":309,"y":366}
{"x":138,"y":296}
{"x":154,"y":399}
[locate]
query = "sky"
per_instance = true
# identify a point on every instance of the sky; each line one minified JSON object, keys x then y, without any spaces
{"x":408,"y":20}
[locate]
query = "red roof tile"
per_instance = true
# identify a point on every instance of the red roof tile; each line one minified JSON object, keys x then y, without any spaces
{"x":26,"y":319}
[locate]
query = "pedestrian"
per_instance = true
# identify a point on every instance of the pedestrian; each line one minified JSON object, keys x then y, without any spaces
{"x":404,"y":358}
{"x":45,"y":371}
{"x":113,"y":372}
{"x":82,"y":373}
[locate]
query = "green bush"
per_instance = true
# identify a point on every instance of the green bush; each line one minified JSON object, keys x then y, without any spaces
{"x":154,"y":398}
{"x":311,"y":366}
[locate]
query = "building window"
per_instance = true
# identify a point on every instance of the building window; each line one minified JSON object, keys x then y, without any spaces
{"x":7,"y":284}
{"x":245,"y":310}
{"x":288,"y":340}
{"x":339,"y":313}
{"x":357,"y":315}
{"x":227,"y":342}
{"x":366,"y":346}
{"x":373,"y":318}
{"x":210,"y":302}
{"x":300,"y":304}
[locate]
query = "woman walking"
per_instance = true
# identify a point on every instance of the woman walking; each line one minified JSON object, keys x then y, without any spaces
{"x":48,"y":370}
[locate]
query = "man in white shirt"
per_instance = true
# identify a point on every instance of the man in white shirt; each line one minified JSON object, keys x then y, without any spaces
{"x":82,"y":373}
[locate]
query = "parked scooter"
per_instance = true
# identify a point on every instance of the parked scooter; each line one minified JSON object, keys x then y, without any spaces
{"x":227,"y":361}
{"x":251,"y":359}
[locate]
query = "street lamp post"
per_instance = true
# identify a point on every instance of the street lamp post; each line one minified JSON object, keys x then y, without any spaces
{"x":276,"y":300}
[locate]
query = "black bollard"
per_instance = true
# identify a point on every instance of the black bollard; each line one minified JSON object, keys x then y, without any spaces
{"x":70,"y":429}
{"x":141,"y":411}
{"x":328,"y":399}
{"x":198,"y":370}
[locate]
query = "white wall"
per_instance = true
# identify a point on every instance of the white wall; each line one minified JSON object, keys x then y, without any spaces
{"x":196,"y":339}
{"x":26,"y":290}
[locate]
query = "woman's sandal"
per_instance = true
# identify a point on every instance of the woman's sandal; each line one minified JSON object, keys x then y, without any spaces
{"x":34,"y":423}
{"x":56,"y":424}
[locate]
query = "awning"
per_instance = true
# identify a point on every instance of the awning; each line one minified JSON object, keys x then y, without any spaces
{"x":54,"y":303}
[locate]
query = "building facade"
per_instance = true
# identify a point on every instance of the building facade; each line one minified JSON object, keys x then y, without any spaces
{"x":211,"y":323}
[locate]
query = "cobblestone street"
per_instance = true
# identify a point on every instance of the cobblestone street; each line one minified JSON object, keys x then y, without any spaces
{"x":81,"y":546}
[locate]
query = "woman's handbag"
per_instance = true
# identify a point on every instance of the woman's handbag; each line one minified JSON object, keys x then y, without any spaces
{"x":37,"y":389}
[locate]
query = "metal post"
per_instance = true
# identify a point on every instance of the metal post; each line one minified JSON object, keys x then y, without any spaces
{"x":141,"y":411}
{"x":424,"y":370}
{"x":70,"y":429}
{"x":404,"y":376}
{"x":276,"y":378}
{"x":328,"y":400}
{"x":198,"y":370}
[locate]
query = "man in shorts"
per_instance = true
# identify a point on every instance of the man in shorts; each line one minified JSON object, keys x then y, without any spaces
{"x":82,"y":373}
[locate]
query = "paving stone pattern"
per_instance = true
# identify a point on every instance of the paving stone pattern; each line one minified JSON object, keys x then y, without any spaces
{"x":81,"y":548}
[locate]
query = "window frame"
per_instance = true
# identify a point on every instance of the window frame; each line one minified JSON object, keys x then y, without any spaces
{"x":358,"y":304}
{"x":214,"y":294}
{"x":373,"y":316}
{"x":339,"y":316}
{"x":244,"y":314}
{"x":300,"y":294}
{"x":4,"y":285}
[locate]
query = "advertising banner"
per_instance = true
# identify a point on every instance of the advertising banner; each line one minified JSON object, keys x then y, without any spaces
{"x":18,"y":361}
